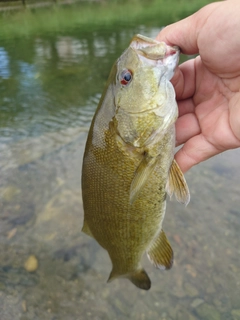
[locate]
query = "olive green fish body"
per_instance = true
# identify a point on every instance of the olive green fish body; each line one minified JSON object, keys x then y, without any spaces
{"x":128,"y":163}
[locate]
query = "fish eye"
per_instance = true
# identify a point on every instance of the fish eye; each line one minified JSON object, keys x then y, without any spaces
{"x":126,"y":77}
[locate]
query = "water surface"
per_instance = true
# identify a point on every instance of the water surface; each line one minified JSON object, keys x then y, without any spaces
{"x":49,"y":89}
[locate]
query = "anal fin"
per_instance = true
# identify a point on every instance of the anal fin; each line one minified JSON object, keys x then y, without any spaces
{"x":160,"y":253}
{"x":86,"y":229}
{"x":177,"y":184}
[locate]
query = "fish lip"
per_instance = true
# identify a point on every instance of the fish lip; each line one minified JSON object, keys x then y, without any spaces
{"x":152,"y":49}
{"x":171,"y":50}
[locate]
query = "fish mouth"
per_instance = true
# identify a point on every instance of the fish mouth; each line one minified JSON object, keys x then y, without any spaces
{"x":152,"y":49}
{"x":157,"y":54}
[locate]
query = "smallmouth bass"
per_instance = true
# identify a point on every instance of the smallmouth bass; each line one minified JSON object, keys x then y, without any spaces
{"x":128,"y":164}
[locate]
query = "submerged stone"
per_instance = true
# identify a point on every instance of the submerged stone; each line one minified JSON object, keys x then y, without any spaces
{"x":9,"y":193}
{"x":235,"y":314}
{"x":207,"y":311}
{"x":197,"y":302}
{"x":31,"y":264}
{"x":190,"y":290}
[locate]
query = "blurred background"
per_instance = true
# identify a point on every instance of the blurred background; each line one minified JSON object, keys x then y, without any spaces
{"x":55,"y":57}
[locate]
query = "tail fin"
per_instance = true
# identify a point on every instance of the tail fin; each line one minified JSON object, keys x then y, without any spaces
{"x":139,"y":278}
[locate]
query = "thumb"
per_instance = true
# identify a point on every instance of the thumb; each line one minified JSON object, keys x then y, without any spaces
{"x":183,"y":34}
{"x":186,"y":33}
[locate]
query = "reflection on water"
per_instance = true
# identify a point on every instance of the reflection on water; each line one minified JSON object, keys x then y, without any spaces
{"x":49,"y":89}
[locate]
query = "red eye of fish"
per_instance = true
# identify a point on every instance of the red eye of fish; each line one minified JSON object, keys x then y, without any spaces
{"x":126,"y":77}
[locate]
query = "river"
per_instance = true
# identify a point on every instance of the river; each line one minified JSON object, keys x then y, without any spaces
{"x":50,"y":86}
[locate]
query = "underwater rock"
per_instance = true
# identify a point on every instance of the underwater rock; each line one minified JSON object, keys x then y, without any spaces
{"x":235,"y":314}
{"x":190,"y":290}
{"x":207,"y":311}
{"x":31,"y":264}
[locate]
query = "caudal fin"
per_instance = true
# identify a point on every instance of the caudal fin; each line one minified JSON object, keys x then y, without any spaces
{"x":139,"y":278}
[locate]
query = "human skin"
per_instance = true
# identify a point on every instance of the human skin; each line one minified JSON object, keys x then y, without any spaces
{"x":208,"y":86}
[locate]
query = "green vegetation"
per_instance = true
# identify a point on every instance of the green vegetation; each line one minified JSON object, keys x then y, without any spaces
{"x":57,"y":18}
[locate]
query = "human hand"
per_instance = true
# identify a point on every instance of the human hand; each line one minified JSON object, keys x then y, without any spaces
{"x":207,"y":87}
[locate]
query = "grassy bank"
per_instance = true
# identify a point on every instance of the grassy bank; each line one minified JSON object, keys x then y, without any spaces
{"x":27,"y":22}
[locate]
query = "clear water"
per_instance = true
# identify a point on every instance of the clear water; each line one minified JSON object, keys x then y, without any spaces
{"x":49,"y":89}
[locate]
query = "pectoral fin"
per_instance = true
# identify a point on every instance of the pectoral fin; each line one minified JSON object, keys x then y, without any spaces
{"x":142,"y":173}
{"x":160,"y":253}
{"x":177,"y":184}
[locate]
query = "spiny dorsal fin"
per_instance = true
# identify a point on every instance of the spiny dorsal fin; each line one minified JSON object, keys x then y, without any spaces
{"x":138,"y":277}
{"x":160,"y":253}
{"x":142,"y":173}
{"x":177,"y":184}
{"x":86,"y":229}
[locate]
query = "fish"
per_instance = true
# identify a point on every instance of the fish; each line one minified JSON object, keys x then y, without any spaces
{"x":128,"y":164}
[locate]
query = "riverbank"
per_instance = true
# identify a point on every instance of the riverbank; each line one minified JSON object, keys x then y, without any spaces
{"x":33,"y":21}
